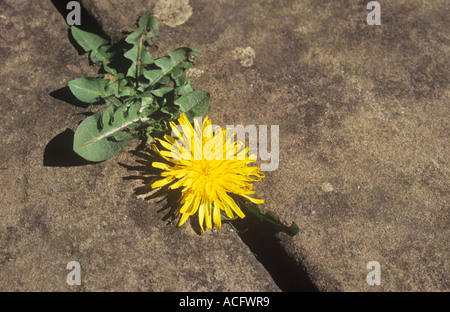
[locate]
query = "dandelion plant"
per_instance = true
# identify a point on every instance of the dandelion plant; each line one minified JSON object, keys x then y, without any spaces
{"x":146,"y":96}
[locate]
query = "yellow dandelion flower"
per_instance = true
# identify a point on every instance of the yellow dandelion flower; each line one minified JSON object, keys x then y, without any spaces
{"x":208,"y":165}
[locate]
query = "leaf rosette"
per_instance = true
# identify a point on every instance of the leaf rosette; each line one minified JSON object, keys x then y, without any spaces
{"x":146,"y":96}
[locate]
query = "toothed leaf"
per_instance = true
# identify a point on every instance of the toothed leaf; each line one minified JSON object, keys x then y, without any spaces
{"x":194,"y":104}
{"x":101,"y":136}
{"x":98,"y":47}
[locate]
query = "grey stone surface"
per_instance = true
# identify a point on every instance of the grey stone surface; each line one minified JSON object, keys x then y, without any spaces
{"x":363,"y":115}
{"x":51,"y":215}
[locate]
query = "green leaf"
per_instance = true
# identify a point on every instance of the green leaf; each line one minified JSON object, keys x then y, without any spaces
{"x":156,"y":76}
{"x":100,"y":137}
{"x":170,"y":66}
{"x":146,"y":58}
{"x":161,"y":91}
{"x":88,"y":41}
{"x":146,"y":23}
{"x":88,"y":90}
{"x":147,"y":100}
{"x":132,"y":101}
{"x":182,"y":86}
{"x":98,"y":46}
{"x":183,"y":89}
{"x":113,"y":88}
{"x":138,"y":55}
{"x":108,"y":115}
{"x":133,"y":55}
{"x":133,"y":111}
{"x":88,"y":145}
{"x":154,"y":32}
{"x":149,"y":106}
{"x":128,"y":91}
{"x":102,"y":54}
{"x":176,"y":72}
{"x":194,"y":104}
{"x":155,"y":129}
{"x":111,"y":100}
{"x":124,"y":136}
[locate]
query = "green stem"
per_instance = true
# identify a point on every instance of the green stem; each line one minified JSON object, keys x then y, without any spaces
{"x":138,"y":69}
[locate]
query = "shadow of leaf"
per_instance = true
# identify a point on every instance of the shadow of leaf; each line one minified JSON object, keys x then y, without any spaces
{"x":59,"y":152}
{"x":64,"y":94}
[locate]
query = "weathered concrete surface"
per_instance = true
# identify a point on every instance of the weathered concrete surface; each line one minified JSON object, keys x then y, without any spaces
{"x":52,"y":215}
{"x":363,"y":114}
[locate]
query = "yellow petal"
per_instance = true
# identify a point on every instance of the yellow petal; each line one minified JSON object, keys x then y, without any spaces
{"x":162,"y":182}
{"x":183,"y":219}
{"x":208,"y":214}
{"x":254,"y":200}
{"x":216,"y":217}
{"x":183,"y":120}
{"x":230,"y":202}
{"x":177,"y":184}
{"x":228,"y":211}
{"x":201,"y":216}
{"x":165,"y":144}
{"x":187,"y":204}
{"x":169,"y":139}
{"x":160,"y":165}
{"x":195,"y":206}
{"x":236,"y":209}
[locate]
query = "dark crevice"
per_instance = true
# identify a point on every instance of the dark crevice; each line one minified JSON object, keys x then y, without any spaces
{"x":286,"y":273}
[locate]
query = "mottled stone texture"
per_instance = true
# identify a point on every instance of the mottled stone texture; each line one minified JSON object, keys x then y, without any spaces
{"x":363,"y":115}
{"x":50,"y":215}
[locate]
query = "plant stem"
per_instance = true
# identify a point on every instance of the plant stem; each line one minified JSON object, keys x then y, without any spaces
{"x":138,"y":69}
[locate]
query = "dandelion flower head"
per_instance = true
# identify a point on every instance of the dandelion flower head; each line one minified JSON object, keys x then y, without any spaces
{"x":208,"y":165}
